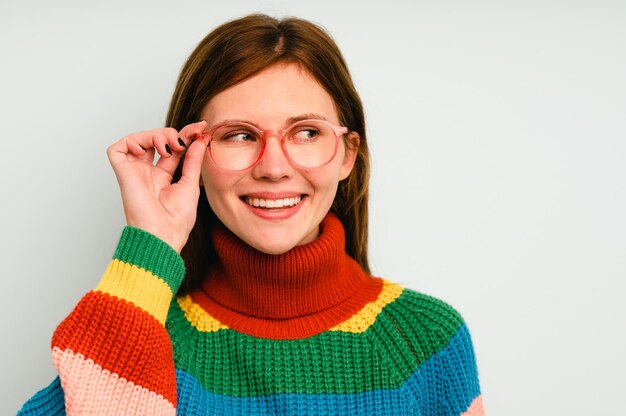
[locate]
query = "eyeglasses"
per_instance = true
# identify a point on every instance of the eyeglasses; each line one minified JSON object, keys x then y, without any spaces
{"x":239,"y":146}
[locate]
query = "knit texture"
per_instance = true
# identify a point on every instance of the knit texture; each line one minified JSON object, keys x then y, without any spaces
{"x":304,"y":333}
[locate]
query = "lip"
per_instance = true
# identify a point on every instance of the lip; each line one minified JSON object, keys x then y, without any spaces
{"x":272,"y":195}
{"x":274,"y":213}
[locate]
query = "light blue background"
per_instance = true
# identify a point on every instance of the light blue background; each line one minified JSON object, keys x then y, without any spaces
{"x":498,"y":172}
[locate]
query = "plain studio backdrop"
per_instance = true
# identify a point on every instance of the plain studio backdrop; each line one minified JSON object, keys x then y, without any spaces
{"x":497,"y":132}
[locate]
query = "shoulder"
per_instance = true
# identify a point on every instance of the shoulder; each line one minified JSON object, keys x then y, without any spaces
{"x":432,"y":351}
{"x":423,"y":309}
{"x":425,"y":324}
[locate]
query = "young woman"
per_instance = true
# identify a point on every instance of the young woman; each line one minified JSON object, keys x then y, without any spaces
{"x":241,"y":284}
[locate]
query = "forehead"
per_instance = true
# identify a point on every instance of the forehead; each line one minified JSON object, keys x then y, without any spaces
{"x":273,"y":96}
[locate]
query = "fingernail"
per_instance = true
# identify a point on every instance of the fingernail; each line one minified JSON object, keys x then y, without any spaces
{"x":167,"y":149}
{"x":181,"y":142}
{"x":202,"y":120}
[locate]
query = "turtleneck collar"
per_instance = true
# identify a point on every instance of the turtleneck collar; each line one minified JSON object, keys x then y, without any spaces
{"x":316,"y":284}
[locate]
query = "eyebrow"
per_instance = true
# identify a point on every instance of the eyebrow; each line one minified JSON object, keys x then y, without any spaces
{"x":309,"y":116}
{"x":288,"y":122}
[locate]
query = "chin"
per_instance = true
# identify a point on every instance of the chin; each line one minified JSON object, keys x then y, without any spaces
{"x":276,"y":241}
{"x":272,"y":247}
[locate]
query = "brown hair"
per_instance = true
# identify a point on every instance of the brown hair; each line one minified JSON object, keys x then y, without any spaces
{"x":236,"y":51}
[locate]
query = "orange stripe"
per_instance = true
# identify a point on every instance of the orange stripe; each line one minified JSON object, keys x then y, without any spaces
{"x":476,"y":408}
{"x":89,"y":389}
{"x":121,"y":338}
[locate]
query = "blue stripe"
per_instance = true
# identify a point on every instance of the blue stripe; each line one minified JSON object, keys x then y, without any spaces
{"x":446,"y":384}
{"x":49,"y":401}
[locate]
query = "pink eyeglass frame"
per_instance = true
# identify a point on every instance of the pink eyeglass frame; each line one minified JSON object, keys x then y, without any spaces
{"x":264,"y":134}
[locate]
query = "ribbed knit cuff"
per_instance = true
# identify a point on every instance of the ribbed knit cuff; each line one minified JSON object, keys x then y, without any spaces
{"x":144,"y":250}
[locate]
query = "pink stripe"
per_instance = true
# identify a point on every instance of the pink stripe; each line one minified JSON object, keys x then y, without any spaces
{"x":476,"y":408}
{"x":90,"y":389}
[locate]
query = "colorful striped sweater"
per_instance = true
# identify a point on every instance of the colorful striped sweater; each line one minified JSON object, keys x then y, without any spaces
{"x":304,"y":333}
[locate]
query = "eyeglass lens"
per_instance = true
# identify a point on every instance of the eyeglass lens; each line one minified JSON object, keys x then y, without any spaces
{"x":308,"y":144}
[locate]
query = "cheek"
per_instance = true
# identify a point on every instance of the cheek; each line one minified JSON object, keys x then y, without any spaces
{"x":217,"y":183}
{"x":337,"y":170}
{"x":326,"y":180}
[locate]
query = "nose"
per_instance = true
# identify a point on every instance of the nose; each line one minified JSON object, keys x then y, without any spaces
{"x":274,"y":164}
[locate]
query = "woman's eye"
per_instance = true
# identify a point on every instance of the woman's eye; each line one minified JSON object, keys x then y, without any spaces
{"x":238,"y":137}
{"x":305,"y":135}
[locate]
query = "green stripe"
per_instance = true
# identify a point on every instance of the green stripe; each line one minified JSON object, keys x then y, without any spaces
{"x":424,"y":323}
{"x":148,"y":252}
{"x":406,"y":333}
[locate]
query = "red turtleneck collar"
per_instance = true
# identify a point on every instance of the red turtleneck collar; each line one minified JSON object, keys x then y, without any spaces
{"x":301,"y":293}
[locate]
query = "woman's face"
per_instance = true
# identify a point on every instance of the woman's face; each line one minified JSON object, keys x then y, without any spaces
{"x":271,"y":100}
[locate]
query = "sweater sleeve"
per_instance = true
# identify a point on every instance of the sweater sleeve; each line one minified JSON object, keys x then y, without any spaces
{"x":458,"y":377}
{"x":113,"y":353}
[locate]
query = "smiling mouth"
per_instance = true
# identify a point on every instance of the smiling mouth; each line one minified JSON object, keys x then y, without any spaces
{"x":272,"y":203}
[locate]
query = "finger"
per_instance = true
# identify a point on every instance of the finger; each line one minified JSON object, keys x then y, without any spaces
{"x":157,"y":138}
{"x":148,"y":156}
{"x":168,"y":140}
{"x":188,"y":132}
{"x":143,"y":153}
{"x":175,"y":142}
{"x":178,"y":143}
{"x":161,"y":143}
{"x":134,"y":147}
{"x":176,"y":146}
{"x":118,"y":151}
{"x":193,"y":163}
{"x":170,"y":163}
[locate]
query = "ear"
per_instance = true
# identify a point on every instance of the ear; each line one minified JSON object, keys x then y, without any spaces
{"x":353,"y":140}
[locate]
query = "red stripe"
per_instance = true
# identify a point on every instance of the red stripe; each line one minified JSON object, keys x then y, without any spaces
{"x":122,"y":339}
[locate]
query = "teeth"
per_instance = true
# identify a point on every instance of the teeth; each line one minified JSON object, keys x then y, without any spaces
{"x":273,"y":203}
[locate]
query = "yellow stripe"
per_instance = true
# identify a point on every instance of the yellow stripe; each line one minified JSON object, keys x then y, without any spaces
{"x":365,"y":318}
{"x":198,"y":317}
{"x":138,"y":286}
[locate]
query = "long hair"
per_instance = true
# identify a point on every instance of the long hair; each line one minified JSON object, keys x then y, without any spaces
{"x":236,"y":51}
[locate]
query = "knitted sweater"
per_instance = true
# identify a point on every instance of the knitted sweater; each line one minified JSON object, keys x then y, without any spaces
{"x":303,"y":333}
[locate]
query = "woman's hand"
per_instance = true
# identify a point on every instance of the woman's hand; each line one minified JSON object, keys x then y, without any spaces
{"x":151,"y":201}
